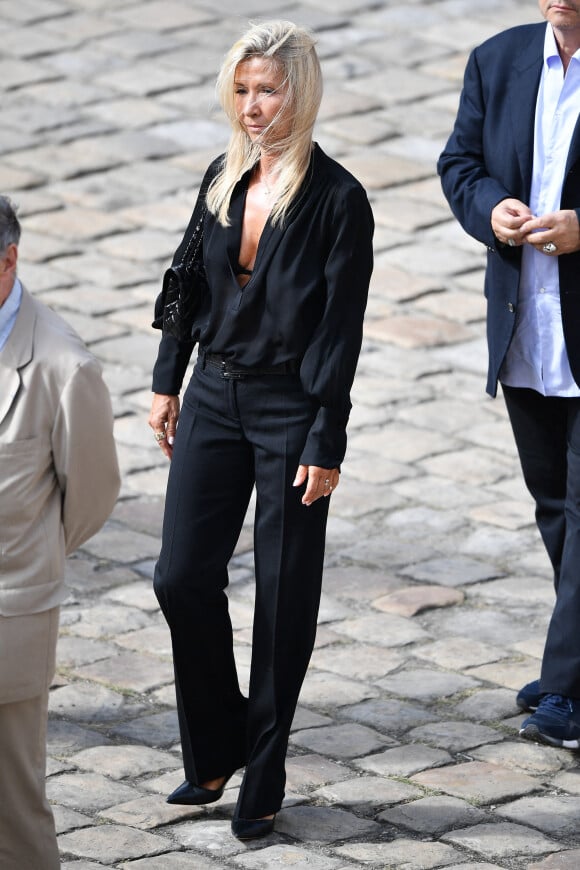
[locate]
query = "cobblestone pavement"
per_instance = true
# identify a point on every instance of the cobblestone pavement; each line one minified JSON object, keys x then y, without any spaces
{"x":404,"y":751}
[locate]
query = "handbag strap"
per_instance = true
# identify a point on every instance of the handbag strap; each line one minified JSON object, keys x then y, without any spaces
{"x":194,"y":243}
{"x":191,"y":252}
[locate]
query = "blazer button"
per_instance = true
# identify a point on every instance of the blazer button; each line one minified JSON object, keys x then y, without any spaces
{"x":511,"y":307}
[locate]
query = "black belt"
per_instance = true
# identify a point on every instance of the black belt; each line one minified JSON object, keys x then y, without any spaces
{"x":231,"y":369}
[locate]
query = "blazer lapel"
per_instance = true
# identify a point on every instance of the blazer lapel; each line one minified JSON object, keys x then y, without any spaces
{"x":523,"y":92}
{"x":574,"y":152}
{"x":16,"y":353}
{"x":9,"y":387}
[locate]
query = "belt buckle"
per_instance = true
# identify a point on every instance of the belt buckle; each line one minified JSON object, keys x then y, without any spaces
{"x":230,"y":373}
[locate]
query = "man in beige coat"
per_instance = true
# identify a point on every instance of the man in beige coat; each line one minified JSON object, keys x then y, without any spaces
{"x":59,"y":479}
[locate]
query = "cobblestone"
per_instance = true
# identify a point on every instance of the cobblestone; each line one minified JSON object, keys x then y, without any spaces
{"x":433,"y":815}
{"x":404,"y":752}
{"x":407,"y":854}
{"x":502,"y":840}
{"x":477,"y":781}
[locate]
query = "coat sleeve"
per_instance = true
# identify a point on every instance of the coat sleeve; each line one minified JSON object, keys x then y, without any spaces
{"x":471,"y":192}
{"x":84,"y":454}
{"x":329,"y":364}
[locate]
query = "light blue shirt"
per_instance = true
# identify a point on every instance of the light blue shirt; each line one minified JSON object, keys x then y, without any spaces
{"x":9,"y":312}
{"x":537,"y":355}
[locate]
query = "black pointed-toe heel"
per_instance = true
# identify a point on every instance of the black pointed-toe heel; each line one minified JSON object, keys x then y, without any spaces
{"x":196,"y":795}
{"x":251,"y":829}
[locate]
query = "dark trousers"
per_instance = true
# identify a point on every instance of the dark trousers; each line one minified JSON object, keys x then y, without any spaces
{"x":231,"y":435}
{"x":547,"y":434}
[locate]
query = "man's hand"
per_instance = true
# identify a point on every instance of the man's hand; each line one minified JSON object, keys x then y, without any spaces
{"x":321,"y":481}
{"x":507,"y":219}
{"x":163,"y":420}
{"x":559,"y":228}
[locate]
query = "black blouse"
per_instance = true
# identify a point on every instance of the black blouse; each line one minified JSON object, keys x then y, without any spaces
{"x":304,"y":301}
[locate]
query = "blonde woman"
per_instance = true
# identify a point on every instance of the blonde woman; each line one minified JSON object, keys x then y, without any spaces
{"x":287,"y":253}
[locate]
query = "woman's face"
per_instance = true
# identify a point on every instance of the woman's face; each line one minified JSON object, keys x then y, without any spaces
{"x":260,"y":92}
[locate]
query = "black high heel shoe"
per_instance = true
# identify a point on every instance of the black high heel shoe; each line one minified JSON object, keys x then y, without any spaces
{"x":196,"y":795}
{"x":251,"y":829}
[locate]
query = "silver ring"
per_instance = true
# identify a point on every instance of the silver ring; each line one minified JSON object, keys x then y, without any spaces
{"x":511,"y":243}
{"x":549,"y":248}
{"x":159,"y":436}
{"x":327,"y":482}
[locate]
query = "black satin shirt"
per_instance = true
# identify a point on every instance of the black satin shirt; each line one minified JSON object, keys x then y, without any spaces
{"x":305,"y":300}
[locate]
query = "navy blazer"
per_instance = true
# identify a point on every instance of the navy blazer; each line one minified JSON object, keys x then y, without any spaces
{"x":488,"y":158}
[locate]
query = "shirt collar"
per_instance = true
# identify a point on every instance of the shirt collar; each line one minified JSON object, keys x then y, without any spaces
{"x":9,"y":310}
{"x":551,"y":54}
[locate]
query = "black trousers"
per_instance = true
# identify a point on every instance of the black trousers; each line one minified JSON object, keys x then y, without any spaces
{"x":231,"y":435}
{"x":547,"y":434}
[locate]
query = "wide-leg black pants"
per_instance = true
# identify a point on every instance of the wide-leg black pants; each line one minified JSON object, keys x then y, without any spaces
{"x":232,"y":434}
{"x":547,"y":434}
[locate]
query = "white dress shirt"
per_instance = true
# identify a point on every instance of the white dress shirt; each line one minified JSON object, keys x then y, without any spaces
{"x":9,"y":312}
{"x":537,"y":356}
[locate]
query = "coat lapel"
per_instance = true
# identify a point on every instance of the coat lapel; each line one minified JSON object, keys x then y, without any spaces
{"x":523,"y":92}
{"x":574,"y":152}
{"x":9,"y":387}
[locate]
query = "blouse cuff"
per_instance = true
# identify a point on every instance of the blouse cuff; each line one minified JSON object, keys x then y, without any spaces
{"x":171,"y":365}
{"x":326,"y":442}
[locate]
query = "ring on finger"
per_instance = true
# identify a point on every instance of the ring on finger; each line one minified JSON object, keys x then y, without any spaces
{"x":159,"y":436}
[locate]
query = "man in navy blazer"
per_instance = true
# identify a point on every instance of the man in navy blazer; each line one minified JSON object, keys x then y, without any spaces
{"x":511,"y":174}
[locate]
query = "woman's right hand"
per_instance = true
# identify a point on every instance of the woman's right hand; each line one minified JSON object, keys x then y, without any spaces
{"x":163,"y":420}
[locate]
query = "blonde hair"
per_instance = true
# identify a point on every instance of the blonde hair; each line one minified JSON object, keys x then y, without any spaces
{"x":291,"y":50}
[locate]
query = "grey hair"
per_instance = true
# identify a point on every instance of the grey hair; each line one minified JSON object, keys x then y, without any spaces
{"x":292,"y":50}
{"x":9,"y":224}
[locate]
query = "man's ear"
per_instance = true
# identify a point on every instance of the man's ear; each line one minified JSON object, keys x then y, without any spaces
{"x":9,"y":260}
{"x":8,"y":272}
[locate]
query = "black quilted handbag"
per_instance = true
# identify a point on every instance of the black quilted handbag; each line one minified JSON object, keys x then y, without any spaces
{"x":184,"y":286}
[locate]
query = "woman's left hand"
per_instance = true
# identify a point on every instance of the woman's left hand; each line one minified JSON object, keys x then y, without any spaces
{"x":163,"y":420}
{"x":321,"y":481}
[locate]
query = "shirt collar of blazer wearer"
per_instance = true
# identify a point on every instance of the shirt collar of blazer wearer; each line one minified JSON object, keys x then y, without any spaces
{"x":9,"y":312}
